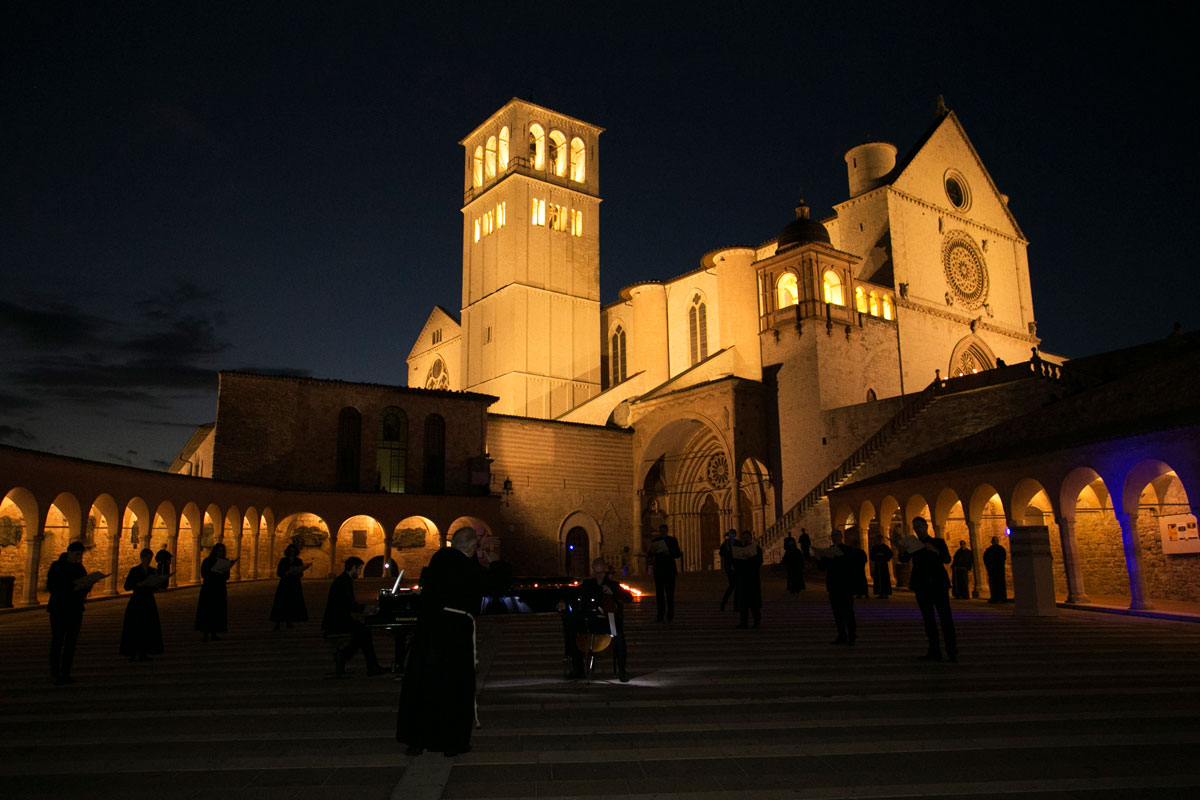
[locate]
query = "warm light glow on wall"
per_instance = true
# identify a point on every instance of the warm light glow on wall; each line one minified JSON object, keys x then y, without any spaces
{"x":578,"y":160}
{"x":503,"y":152}
{"x":887,"y":307}
{"x":786,"y":290}
{"x":577,"y":223}
{"x":489,"y":158}
{"x":477,"y":230}
{"x":537,"y":146}
{"x":477,"y":168}
{"x":501,"y":214}
{"x":558,"y":153}
{"x":860,"y":299}
{"x":873,"y":304}
{"x":537,"y":212}
{"x":833,"y":288}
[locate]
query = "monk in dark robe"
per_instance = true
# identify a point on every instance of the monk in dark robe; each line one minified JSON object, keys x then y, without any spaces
{"x":993,"y":561}
{"x":961,"y":566}
{"x":747,"y":582}
{"x":793,"y":564}
{"x":289,"y":604}
{"x":437,"y":699}
{"x":212,"y":606}
{"x":66,"y":610}
{"x":881,"y":556}
{"x":141,"y":632}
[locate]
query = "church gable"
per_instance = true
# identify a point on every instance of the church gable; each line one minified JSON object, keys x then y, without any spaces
{"x":440,"y":327}
{"x":945,"y":171}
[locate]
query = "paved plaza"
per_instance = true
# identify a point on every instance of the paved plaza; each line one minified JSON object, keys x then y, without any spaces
{"x":1084,"y":705}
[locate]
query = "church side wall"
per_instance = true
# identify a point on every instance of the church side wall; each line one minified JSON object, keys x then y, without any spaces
{"x":558,"y":469}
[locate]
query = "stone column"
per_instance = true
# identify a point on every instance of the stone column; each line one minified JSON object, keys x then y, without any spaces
{"x":976,"y":555}
{"x":114,"y":559}
{"x":333,"y":565}
{"x":257,"y":531}
{"x":1071,"y":565}
{"x":173,"y":547}
{"x":1133,"y":561}
{"x":196,"y":551}
{"x":237,"y":549}
{"x":33,"y":559}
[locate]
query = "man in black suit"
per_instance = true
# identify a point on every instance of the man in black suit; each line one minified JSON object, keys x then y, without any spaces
{"x":993,"y":561}
{"x":664,"y":549}
{"x":66,"y":610}
{"x":339,"y":620}
{"x":843,"y":565}
{"x":931,"y":584}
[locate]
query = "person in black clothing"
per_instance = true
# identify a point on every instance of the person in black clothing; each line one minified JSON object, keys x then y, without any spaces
{"x":141,"y":631}
{"x":726,"y":553}
{"x":66,"y":610}
{"x":162,"y":561}
{"x":592,"y":600}
{"x":932,"y":586}
{"x":437,"y":699}
{"x":843,"y":565}
{"x":664,"y":549}
{"x":793,"y":564}
{"x":289,"y":606}
{"x":805,"y":543}
{"x":881,"y":556}
{"x":212,"y":606}
{"x":993,"y":561}
{"x":747,"y":564}
{"x":961,"y":566}
{"x":339,"y":619}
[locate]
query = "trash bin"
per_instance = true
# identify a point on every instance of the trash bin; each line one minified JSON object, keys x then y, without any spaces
{"x":7,"y":582}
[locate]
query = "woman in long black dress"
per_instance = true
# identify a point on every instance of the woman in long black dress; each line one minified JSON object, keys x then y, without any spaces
{"x":289,"y":604}
{"x":212,"y":606}
{"x":141,"y":634}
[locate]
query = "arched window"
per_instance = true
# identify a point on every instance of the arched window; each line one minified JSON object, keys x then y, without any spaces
{"x":477,"y":168}
{"x":391,"y":452}
{"x":435,"y":454}
{"x":617,"y":356}
{"x":888,"y":313}
{"x":558,"y":153}
{"x":874,"y":304}
{"x":349,"y":450}
{"x":833,"y":288}
{"x":860,"y":299}
{"x":698,"y":329}
{"x":438,"y":377}
{"x":489,"y":158}
{"x":578,"y":160}
{"x":537,"y":146}
{"x":871,"y":396}
{"x":786,"y":291}
{"x":503,"y":151}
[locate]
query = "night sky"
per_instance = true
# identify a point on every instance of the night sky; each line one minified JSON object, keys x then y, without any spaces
{"x":189,"y":187}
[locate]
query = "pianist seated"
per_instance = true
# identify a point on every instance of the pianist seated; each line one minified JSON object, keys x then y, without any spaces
{"x":595,"y":606}
{"x":339,"y":620}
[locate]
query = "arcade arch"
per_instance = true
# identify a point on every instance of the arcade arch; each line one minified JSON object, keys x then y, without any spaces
{"x":414,"y":541}
{"x":310,"y":533}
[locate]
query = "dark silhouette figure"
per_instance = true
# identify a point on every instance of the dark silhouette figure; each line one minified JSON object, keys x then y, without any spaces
{"x":793,"y":565}
{"x":587,"y":609}
{"x":881,"y":557}
{"x":141,"y":631}
{"x":65,"y":582}
{"x":726,"y":553}
{"x":289,"y":606}
{"x":932,"y":586}
{"x":212,"y":607}
{"x":961,"y":566}
{"x":805,"y":542}
{"x":747,"y":566}
{"x":437,"y":700}
{"x":844,"y":572}
{"x":162,"y":561}
{"x":993,"y":561}
{"x":340,"y":608}
{"x":664,"y":549}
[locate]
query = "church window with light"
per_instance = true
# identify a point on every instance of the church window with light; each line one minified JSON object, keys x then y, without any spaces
{"x":558,"y":153}
{"x":786,"y":290}
{"x":578,"y":160}
{"x":832,"y":285}
{"x":537,"y":146}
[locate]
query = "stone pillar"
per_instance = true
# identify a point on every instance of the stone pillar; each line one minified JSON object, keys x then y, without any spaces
{"x":1071,"y":565}
{"x":1033,"y":575}
{"x":173,"y":547}
{"x":1133,"y":561}
{"x":976,"y":555}
{"x":33,"y":560}
{"x":114,"y":559}
{"x":237,"y":549}
{"x":333,"y":565}
{"x":196,"y":551}
{"x":256,"y":530}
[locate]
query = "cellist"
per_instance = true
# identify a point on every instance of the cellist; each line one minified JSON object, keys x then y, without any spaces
{"x":596,"y":596}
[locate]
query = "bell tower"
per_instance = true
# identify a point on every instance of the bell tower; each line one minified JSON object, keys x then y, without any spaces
{"x":531,"y":260}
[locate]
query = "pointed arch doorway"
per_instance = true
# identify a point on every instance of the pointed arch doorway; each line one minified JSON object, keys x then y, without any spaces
{"x":577,"y":551}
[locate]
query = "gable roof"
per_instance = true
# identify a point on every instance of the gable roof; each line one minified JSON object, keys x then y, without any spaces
{"x":438,"y":317}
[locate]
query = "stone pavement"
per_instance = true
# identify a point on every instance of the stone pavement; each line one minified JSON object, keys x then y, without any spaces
{"x":1083,"y":705}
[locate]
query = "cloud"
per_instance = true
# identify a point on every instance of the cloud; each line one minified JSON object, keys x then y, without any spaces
{"x":51,"y":324}
{"x":18,"y":437}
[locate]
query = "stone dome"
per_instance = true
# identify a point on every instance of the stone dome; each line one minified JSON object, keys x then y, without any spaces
{"x":801,"y":230}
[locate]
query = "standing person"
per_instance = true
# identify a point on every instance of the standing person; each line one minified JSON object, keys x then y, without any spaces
{"x":805,"y":542}
{"x":747,"y":563}
{"x":843,"y":565}
{"x":437,"y":699}
{"x":212,"y":606}
{"x":597,"y":595}
{"x":289,"y":606}
{"x":793,"y":564}
{"x":141,"y":631}
{"x":881,"y":557}
{"x":340,"y":608}
{"x":993,"y":561}
{"x":726,"y":553}
{"x":664,"y":549}
{"x":68,"y":586}
{"x":162,"y":561}
{"x":931,"y":585}
{"x":961,"y":566}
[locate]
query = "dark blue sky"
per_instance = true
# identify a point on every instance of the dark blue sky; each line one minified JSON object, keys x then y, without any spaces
{"x":188,"y":187}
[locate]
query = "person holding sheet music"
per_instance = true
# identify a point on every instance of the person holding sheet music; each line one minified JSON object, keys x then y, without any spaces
{"x":289,"y":604}
{"x":212,"y":606}
{"x":68,"y":583}
{"x":141,"y":632}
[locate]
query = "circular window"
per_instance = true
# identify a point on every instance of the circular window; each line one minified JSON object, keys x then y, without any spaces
{"x":957,"y":191}
{"x":965,"y":270}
